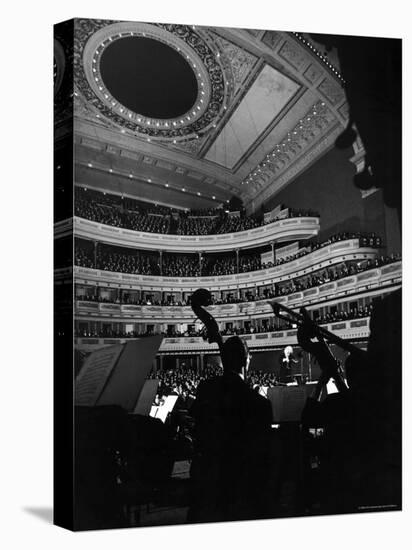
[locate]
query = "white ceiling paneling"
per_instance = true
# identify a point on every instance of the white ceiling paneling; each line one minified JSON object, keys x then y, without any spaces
{"x":265,"y":99}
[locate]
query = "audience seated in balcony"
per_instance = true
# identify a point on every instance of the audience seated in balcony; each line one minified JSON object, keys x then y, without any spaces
{"x":132,"y":214}
{"x":147,"y":265}
{"x":188,"y":266}
{"x":266,"y":326}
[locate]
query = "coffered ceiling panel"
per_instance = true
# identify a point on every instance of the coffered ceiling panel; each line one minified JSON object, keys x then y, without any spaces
{"x":265,"y":99}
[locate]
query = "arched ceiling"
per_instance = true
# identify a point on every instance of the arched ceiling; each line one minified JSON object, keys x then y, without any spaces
{"x":190,"y":116}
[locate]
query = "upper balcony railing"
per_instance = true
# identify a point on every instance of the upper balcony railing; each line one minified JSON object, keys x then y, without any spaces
{"x":356,"y":329}
{"x":289,"y":229}
{"x":326,"y":256}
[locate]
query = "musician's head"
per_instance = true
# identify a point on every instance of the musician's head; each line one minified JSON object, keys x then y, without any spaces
{"x":235,"y":356}
{"x":288,"y":351}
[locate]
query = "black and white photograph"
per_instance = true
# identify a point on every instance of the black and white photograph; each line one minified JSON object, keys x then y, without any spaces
{"x":228,"y":273}
{"x":205,"y":228}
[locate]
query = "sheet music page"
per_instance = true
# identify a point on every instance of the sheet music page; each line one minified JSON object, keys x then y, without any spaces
{"x":154,"y":410}
{"x":93,"y":375}
{"x":130,"y":373}
{"x":166,"y":408}
{"x":331,"y":387}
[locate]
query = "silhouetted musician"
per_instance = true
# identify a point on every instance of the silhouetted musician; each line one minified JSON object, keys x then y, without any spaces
{"x":232,"y":429}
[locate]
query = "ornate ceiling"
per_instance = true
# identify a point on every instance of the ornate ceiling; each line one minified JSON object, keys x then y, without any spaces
{"x":263,"y":106}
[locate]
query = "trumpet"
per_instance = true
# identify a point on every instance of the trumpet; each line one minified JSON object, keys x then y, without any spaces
{"x":302,"y":318}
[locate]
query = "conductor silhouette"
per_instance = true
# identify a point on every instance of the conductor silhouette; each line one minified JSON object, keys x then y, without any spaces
{"x":286,"y":360}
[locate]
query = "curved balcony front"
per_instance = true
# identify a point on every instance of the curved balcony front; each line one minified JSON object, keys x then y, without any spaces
{"x":289,"y":229}
{"x":357,"y":329}
{"x":372,"y":281}
{"x":324,"y":257}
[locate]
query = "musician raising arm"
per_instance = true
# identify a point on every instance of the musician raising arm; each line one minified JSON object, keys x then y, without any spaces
{"x":232,"y":445}
{"x":335,"y":414}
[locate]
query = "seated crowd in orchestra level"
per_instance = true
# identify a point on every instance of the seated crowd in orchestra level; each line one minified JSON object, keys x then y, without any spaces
{"x":139,"y":216}
{"x":185,"y":381}
{"x":174,"y":265}
{"x":331,"y":317}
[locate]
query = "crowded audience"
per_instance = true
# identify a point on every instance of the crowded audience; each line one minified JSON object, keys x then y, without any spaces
{"x":173,"y":265}
{"x":185,"y":381}
{"x":137,"y":215}
{"x":266,"y":325}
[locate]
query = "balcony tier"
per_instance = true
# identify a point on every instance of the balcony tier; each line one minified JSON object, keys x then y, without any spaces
{"x":357,"y":329}
{"x":373,"y":281}
{"x":290,"y":229}
{"x":323,"y":257}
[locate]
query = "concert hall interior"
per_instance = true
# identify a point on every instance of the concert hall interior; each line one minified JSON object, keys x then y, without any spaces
{"x":264,"y":167}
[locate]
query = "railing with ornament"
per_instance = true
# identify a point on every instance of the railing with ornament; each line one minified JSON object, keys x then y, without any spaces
{"x":357,"y":329}
{"x":288,"y":229}
{"x":373,"y":281}
{"x":326,"y":256}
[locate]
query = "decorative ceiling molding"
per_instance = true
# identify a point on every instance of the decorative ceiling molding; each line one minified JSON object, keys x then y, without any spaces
{"x":329,"y":60}
{"x":137,"y":157}
{"x":236,"y":56}
{"x":237,"y":61}
{"x":108,"y":140}
{"x":93,"y":36}
{"x":304,"y":161}
{"x":331,"y":91}
{"x":315,"y":122}
{"x":267,"y":96}
{"x":272,"y":38}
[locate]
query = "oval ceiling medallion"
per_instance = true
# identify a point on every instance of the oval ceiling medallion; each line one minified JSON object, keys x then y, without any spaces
{"x":161,"y":81}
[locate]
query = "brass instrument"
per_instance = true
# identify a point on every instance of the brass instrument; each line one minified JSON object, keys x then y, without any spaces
{"x":303,"y":318}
